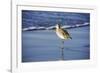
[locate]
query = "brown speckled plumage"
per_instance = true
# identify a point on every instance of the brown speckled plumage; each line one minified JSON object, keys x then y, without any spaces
{"x":62,"y":33}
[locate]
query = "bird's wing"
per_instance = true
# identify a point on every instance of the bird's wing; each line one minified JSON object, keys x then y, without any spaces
{"x":66,"y":32}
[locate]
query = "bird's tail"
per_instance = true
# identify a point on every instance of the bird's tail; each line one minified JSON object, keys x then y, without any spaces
{"x":70,"y":37}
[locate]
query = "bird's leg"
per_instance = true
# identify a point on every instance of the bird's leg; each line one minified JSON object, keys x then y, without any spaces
{"x":62,"y":48}
{"x":62,"y":44}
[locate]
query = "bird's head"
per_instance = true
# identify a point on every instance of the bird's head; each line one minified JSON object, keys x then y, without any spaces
{"x":57,"y":26}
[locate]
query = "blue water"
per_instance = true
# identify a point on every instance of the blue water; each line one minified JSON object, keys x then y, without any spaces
{"x":50,"y":18}
{"x":44,"y":45}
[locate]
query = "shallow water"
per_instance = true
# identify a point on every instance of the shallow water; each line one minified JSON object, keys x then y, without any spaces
{"x":44,"y":45}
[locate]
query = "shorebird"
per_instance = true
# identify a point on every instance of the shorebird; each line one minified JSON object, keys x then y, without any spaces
{"x":63,"y":35}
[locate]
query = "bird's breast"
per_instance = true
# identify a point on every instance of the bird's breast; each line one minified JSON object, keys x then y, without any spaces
{"x":59,"y":34}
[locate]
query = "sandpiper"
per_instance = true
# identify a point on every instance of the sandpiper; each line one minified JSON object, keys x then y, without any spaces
{"x":63,"y":35}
